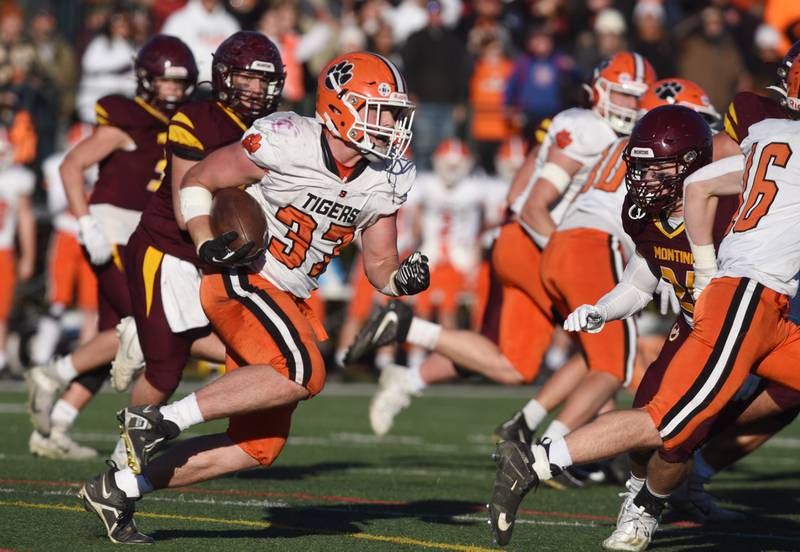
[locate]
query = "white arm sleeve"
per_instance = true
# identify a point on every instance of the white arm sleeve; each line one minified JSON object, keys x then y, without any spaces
{"x":632,"y":293}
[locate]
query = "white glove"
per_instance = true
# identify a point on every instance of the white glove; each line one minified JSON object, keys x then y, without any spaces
{"x":702,"y":277}
{"x":92,"y":238}
{"x":669,"y":301}
{"x":586,"y":318}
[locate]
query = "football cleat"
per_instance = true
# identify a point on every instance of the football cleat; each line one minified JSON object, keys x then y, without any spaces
{"x":515,"y":477}
{"x":389,"y":325}
{"x":635,"y":527}
{"x":570,"y":478}
{"x":59,"y":445}
{"x":42,"y":393}
{"x":515,"y":429}
{"x":130,"y":358}
{"x":693,"y":502}
{"x":102,"y":496}
{"x":392,"y":396}
{"x":144,"y":431}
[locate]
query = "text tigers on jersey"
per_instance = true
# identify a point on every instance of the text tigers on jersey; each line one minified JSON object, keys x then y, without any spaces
{"x":332,"y":209}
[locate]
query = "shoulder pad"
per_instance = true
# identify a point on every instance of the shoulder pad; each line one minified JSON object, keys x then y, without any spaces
{"x":747,"y":109}
{"x":281,"y":138}
{"x":117,"y":111}
{"x":581,"y":133}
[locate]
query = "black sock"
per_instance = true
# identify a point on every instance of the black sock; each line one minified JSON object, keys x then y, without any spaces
{"x":652,"y":504}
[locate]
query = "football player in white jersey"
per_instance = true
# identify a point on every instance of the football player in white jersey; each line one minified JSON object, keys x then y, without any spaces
{"x":16,"y":219}
{"x":522,"y":327}
{"x":739,"y":320}
{"x":451,"y":212}
{"x":590,"y":240}
{"x":321,"y":184}
{"x":69,"y":276}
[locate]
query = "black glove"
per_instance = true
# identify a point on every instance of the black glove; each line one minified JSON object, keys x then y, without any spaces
{"x":217,"y":252}
{"x":414,"y":275}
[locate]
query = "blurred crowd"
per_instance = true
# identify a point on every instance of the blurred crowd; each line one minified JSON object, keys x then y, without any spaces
{"x":479,"y":70}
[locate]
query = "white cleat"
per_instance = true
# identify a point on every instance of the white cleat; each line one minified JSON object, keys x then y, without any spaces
{"x":120,"y":455}
{"x":59,"y":445}
{"x":130,"y":358}
{"x":393,"y":395}
{"x":42,"y":393}
{"x":635,"y":527}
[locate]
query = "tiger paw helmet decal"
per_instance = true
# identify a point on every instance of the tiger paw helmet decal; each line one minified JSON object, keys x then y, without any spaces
{"x":338,"y":75}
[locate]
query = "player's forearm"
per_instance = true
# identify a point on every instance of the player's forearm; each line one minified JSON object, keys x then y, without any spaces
{"x":26,"y":233}
{"x":632,"y":293}
{"x":701,"y":192}
{"x":380,"y":271}
{"x":72,"y":175}
{"x":537,"y":222}
{"x":199,"y":229}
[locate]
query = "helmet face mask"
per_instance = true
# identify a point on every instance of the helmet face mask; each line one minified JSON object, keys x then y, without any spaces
{"x":361,"y":98}
{"x":668,"y":144}
{"x":625,"y":74}
{"x":247,"y":75}
{"x":163,"y":59}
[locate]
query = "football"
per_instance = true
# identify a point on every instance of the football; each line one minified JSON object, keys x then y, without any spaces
{"x":234,"y":209}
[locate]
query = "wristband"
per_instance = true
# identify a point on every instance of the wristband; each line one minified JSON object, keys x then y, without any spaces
{"x":391,"y":288}
{"x":195,"y":202}
{"x":556,"y":175}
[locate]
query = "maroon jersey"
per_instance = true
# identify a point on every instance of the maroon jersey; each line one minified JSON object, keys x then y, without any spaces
{"x":666,"y":248}
{"x":747,"y":109}
{"x":128,"y":178}
{"x":196,"y":130}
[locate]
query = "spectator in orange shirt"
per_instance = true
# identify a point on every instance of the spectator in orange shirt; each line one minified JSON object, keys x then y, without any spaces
{"x":489,"y":126}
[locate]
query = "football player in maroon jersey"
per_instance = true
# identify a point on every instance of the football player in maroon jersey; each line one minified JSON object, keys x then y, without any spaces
{"x":127,"y":144}
{"x":162,"y":264}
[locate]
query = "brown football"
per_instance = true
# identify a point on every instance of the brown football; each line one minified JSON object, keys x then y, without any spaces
{"x":234,"y":209}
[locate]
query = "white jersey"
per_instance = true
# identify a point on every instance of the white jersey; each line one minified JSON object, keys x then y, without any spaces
{"x":311,"y":212}
{"x":582,"y":135}
{"x":599,"y":203}
{"x":57,"y":204}
{"x":764,"y":243}
{"x":15,"y":181}
{"x":451,"y":220}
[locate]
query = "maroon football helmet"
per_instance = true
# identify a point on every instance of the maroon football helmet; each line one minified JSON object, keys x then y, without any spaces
{"x":165,"y":57}
{"x":253,"y":54}
{"x":783,"y":69}
{"x":667,"y":144}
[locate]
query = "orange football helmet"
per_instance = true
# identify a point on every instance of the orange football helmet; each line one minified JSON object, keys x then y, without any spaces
{"x":510,"y":157}
{"x":624,"y":72}
{"x":792,"y":100}
{"x":452,"y":161}
{"x":680,"y":92}
{"x":354,"y":92}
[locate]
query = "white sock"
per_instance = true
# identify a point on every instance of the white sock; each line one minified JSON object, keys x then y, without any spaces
{"x":63,"y":369}
{"x":634,"y":484}
{"x":416,"y":356}
{"x":415,"y":379}
{"x":185,"y":412}
{"x":555,"y":430}
{"x":384,"y":357}
{"x":558,"y":453}
{"x":338,"y":357}
{"x":3,"y":360}
{"x":423,"y":333}
{"x":132,"y":485}
{"x":44,"y":343}
{"x":534,"y":413}
{"x":701,"y":468}
{"x":63,"y":414}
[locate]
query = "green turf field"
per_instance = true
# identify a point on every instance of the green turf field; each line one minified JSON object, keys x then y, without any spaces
{"x":337,"y":487}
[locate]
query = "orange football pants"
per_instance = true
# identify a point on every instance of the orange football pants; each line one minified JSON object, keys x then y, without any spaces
{"x":447,"y":283}
{"x":579,"y":266}
{"x":261,"y":324}
{"x":69,"y":271}
{"x":8,"y":279}
{"x":739,"y":326}
{"x":526,"y":315}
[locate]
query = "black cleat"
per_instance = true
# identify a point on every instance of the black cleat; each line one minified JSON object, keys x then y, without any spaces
{"x":570,"y":478}
{"x":102,"y":496}
{"x":389,"y":325}
{"x":515,"y":477}
{"x":143,"y":430}
{"x":515,"y":429}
